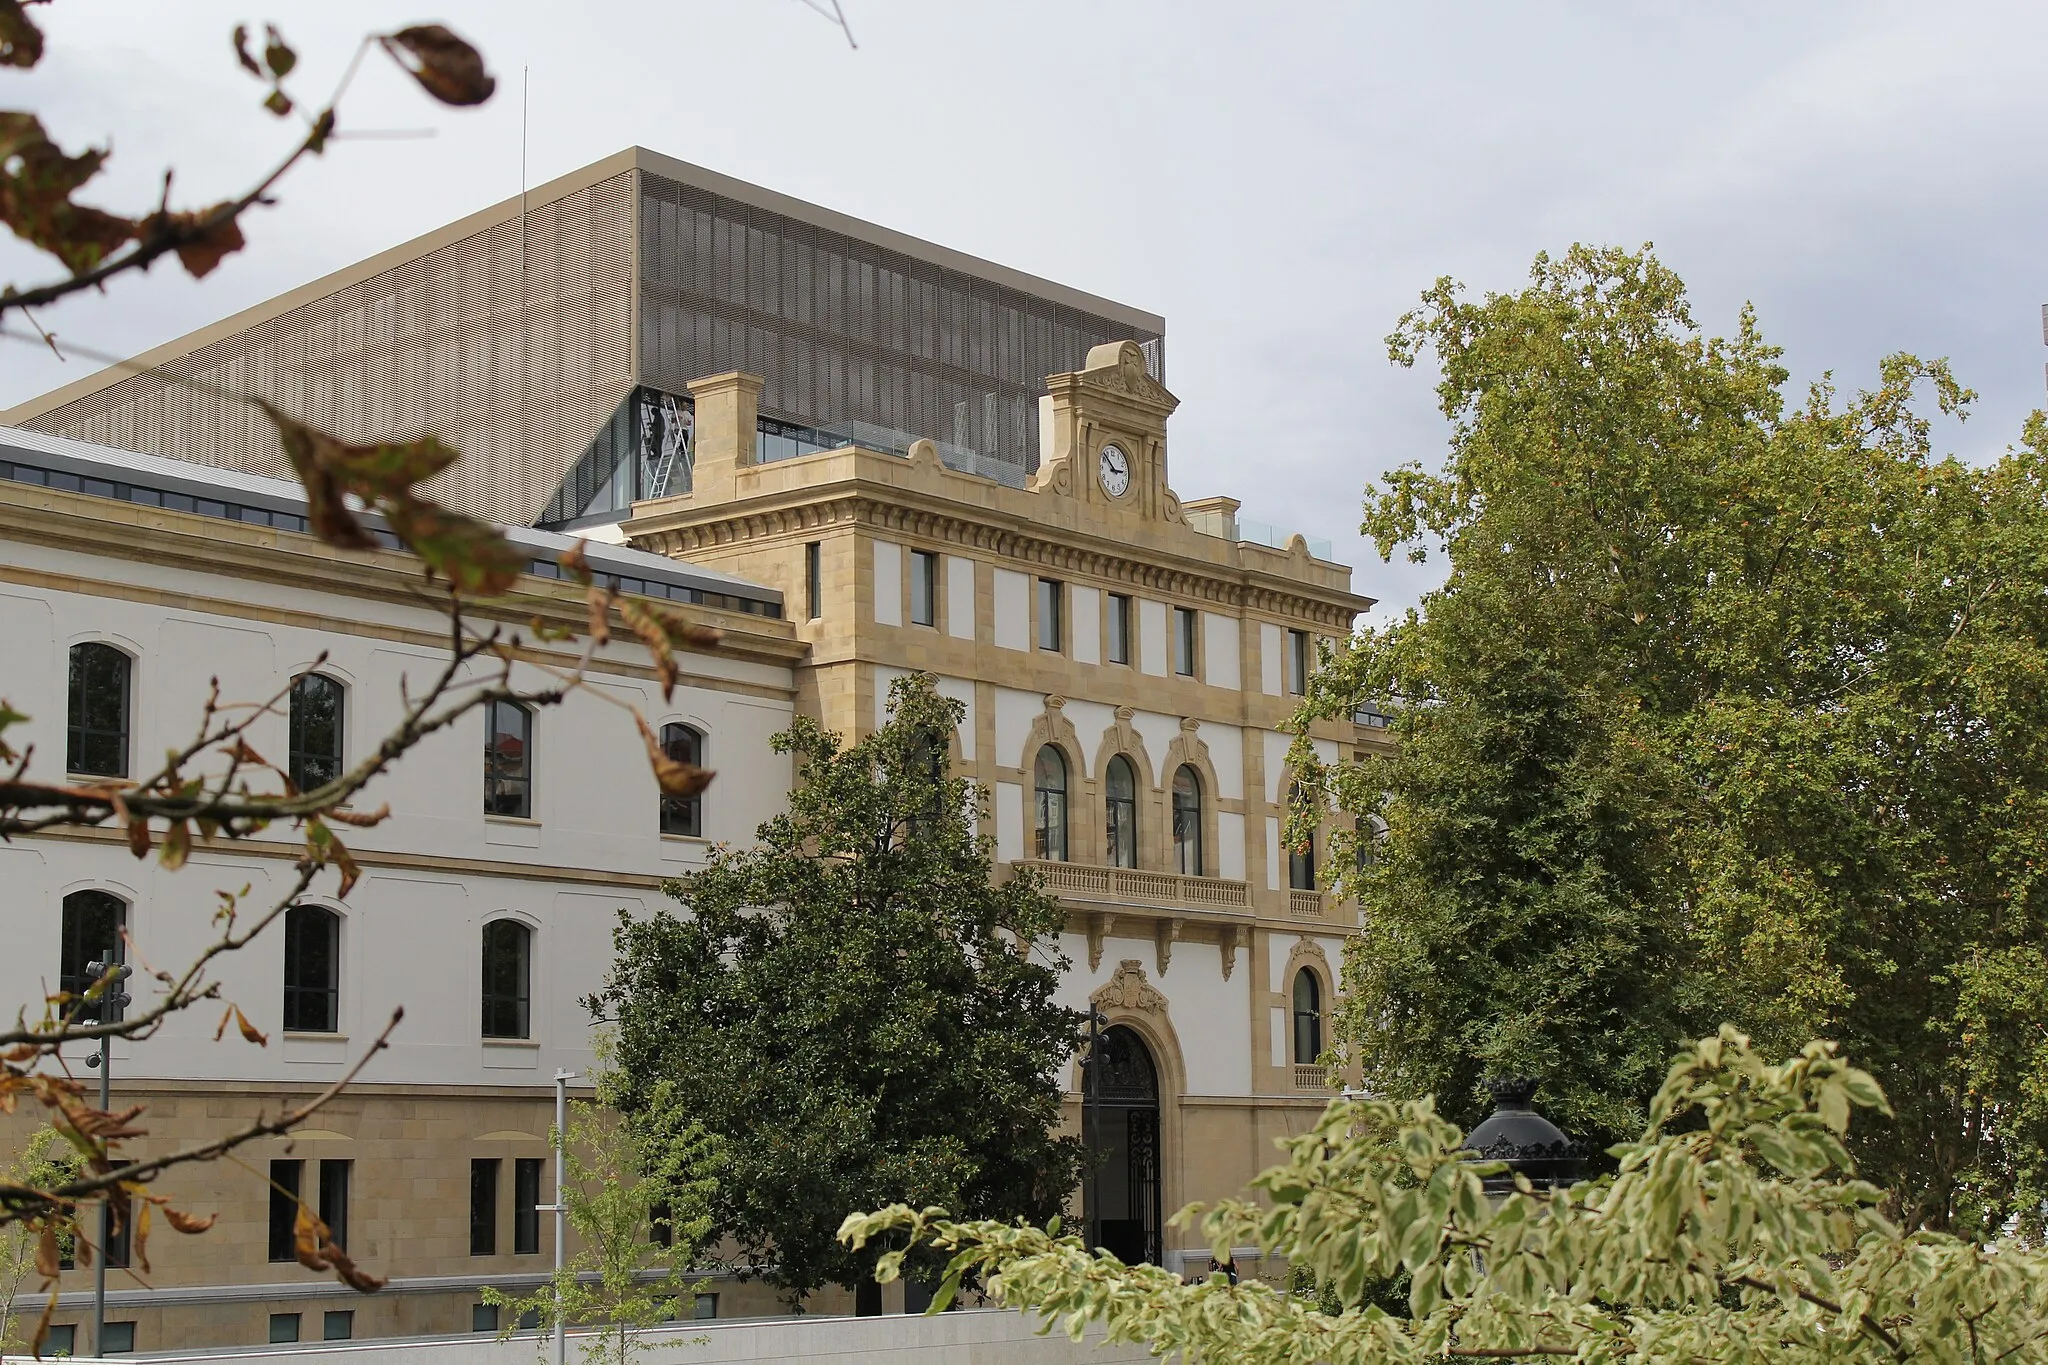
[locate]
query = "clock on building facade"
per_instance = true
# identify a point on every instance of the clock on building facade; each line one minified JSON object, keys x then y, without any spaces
{"x":1115,"y":471}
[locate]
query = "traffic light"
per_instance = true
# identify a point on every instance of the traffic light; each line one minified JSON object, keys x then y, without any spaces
{"x":104,"y":999}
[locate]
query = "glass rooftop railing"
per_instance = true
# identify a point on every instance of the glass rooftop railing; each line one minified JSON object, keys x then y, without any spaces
{"x":775,"y":440}
{"x":1229,"y":526}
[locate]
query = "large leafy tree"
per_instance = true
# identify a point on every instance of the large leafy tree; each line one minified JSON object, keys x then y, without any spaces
{"x":1729,"y":708}
{"x":853,"y":1008}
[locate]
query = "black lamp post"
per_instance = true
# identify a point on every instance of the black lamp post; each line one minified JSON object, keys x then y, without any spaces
{"x":1530,"y":1144}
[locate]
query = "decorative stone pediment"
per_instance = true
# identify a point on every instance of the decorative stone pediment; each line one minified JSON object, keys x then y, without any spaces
{"x":1118,"y":368}
{"x":1127,"y":989}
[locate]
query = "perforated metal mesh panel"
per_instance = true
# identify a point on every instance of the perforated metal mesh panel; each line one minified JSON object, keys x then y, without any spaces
{"x":845,"y":331}
{"x":518,"y":379}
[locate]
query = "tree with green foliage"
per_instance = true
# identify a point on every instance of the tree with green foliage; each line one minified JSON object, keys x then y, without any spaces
{"x":853,"y":1007}
{"x":45,"y":1163}
{"x":637,"y":1197}
{"x":1727,"y":709}
{"x":1733,"y":1230}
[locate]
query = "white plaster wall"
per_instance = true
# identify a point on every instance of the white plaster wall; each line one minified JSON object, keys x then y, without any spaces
{"x":888,"y":584}
{"x":1014,"y":713}
{"x":1282,"y":1034}
{"x":1271,"y":678}
{"x":1219,"y":646}
{"x":1152,"y":638}
{"x":1009,"y":821}
{"x":1230,"y":845}
{"x":960,"y":597}
{"x":1157,"y":731}
{"x":1226,"y":755}
{"x":1272,"y":854}
{"x":1277,"y":746}
{"x":1209,"y":1015}
{"x":1012,"y":609}
{"x":407,"y":933}
{"x":1091,"y":720}
{"x":1326,"y":750}
{"x":1085,"y":608}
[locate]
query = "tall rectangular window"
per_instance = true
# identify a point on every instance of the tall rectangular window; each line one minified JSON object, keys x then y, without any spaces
{"x":334,"y":1178}
{"x":1050,"y":604}
{"x":526,"y":1206}
{"x":120,"y":1230}
{"x":924,"y":588}
{"x":814,"y":580}
{"x":284,"y":1206}
{"x":1297,"y":662}
{"x":1119,"y":628}
{"x":1184,"y":642}
{"x":483,"y":1206}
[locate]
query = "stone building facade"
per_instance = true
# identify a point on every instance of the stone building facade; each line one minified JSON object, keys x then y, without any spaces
{"x":711,"y":376}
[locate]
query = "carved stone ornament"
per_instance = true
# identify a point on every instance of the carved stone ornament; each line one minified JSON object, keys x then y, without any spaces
{"x":1126,"y":375}
{"x":1099,"y":925}
{"x":1127,"y":989}
{"x":1164,"y":935}
{"x":1235,"y":937}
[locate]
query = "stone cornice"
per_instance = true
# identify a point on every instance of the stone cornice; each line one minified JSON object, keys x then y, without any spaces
{"x":178,"y":540}
{"x":681,"y":531}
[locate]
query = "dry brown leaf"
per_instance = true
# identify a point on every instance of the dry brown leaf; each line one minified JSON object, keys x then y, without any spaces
{"x":573,"y":562}
{"x":364,"y":819}
{"x":676,"y":778}
{"x":49,"y":1259}
{"x":186,"y":1223}
{"x":204,"y":238}
{"x":21,"y":42}
{"x":654,"y":635}
{"x":447,"y":67}
{"x":598,"y":609}
{"x":37,"y":180}
{"x":241,"y":1022}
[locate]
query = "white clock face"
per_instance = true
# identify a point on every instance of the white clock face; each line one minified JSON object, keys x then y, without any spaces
{"x":1116,"y":471}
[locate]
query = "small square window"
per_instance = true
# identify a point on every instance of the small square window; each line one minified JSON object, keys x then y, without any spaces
{"x":338,"y":1324}
{"x":1119,"y":628}
{"x":924,"y":588}
{"x":120,"y":1339}
{"x":706,"y":1307}
{"x":61,"y":1341}
{"x":1297,"y":662}
{"x":1184,"y":641}
{"x":284,"y":1327}
{"x":529,"y":1320}
{"x":1050,"y":604}
{"x":483,"y":1317}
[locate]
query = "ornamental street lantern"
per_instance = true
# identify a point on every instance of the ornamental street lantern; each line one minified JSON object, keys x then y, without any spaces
{"x":1531,"y":1145}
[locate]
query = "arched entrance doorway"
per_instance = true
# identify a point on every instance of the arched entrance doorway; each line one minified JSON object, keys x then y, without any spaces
{"x":1121,"y":1129}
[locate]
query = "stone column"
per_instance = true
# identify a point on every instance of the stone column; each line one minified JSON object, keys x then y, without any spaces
{"x":727,"y":409}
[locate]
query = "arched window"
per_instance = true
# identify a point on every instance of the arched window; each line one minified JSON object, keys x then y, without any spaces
{"x":1187,"y":821}
{"x":97,"y":736}
{"x":93,"y":921}
{"x":312,"y":970}
{"x":1049,"y":780}
{"x":314,"y":752}
{"x":1120,"y":795}
{"x":508,"y":760}
{"x":508,"y":979}
{"x":1301,"y":858}
{"x":682,"y":814}
{"x":1308,"y":1018}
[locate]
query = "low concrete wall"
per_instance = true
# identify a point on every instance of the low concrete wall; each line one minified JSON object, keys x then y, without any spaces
{"x":967,"y":1337}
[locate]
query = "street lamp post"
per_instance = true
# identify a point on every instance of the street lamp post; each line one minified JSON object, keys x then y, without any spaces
{"x":1530,"y":1144}
{"x":560,"y":1208}
{"x":104,"y":1002}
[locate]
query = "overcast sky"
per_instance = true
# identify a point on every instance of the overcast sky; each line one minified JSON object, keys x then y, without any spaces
{"x":1278,"y":180}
